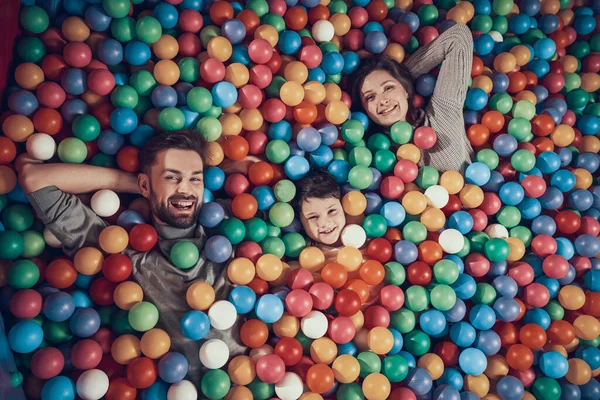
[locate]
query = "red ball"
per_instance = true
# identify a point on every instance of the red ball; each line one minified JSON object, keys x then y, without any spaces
{"x":50,"y":94}
{"x":354,"y":40}
{"x":555,"y":266}
{"x":120,"y":389}
{"x":300,"y":278}
{"x":141,"y":373}
{"x":273,"y":110}
{"x":380,"y":249}
{"x":101,"y":81}
{"x":358,"y":17}
{"x":290,"y":351}
{"x":86,"y":354}
{"x":77,"y":54}
{"x":47,"y":363}
{"x":260,"y":51}
{"x":26,"y":304}
{"x":128,"y":159}
{"x":590,"y":226}
{"x":347,"y":302}
{"x":536,"y":295}
{"x":401,"y":33}
{"x":406,"y":170}
{"x":480,"y":219}
{"x":249,"y":250}
{"x":117,"y":267}
{"x":105,"y":338}
{"x":101,"y":291}
{"x":427,"y":34}
{"x":553,"y":81}
{"x":567,"y":222}
{"x":190,"y":21}
{"x":544,"y":245}
{"x":257,"y":142}
{"x":270,"y":368}
{"x":143,"y":237}
{"x":236,"y":184}
{"x":260,"y":76}
{"x":298,"y":302}
{"x":341,"y":330}
{"x":534,"y":186}
{"x":189,"y":44}
{"x":112,"y":368}
{"x":419,"y":273}
{"x":391,"y":187}
{"x":250,"y":96}
{"x":322,"y":295}
{"x":402,"y":393}
{"x":391,"y":297}
{"x":376,"y":316}
{"x":477,"y":265}
{"x":454,"y":205}
{"x":212,"y":70}
{"x":491,"y":203}
{"x":448,"y":352}
{"x":311,"y":56}
{"x":522,"y":273}
{"x":53,"y":65}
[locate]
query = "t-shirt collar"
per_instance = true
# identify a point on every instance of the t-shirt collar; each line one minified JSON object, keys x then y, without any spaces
{"x":170,"y":232}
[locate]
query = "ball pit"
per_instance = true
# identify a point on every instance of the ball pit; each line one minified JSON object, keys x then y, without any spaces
{"x":476,"y":285}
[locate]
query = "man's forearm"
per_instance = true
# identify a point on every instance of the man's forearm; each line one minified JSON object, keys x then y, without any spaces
{"x":77,"y":178}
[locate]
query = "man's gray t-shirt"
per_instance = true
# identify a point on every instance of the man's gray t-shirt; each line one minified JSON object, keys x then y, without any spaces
{"x":164,"y":284}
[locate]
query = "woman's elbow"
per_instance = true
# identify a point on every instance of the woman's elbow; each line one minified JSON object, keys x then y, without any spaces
{"x":463,"y":36}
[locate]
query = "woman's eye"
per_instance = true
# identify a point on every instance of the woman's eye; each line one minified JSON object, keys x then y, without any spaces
{"x":369,"y":98}
{"x":388,"y":88}
{"x":312,"y":218}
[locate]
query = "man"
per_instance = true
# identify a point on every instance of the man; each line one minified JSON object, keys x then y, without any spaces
{"x":171,"y":178}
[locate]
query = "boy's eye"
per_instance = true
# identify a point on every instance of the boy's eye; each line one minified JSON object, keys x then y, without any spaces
{"x":370,"y":98}
{"x":332,"y":212}
{"x":312,"y":218}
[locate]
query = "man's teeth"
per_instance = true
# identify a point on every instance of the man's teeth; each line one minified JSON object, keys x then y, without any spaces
{"x":182,"y":204}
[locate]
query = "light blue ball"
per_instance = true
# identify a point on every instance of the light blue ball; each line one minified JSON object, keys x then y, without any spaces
{"x":472,"y":361}
{"x":269,"y":308}
{"x":194,"y":325}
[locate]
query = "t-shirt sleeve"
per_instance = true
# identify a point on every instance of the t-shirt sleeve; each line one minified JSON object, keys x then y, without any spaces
{"x":65,"y":215}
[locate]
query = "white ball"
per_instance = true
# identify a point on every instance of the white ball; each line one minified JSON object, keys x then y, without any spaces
{"x":314,"y":324}
{"x":323,"y":31}
{"x":41,"y":146}
{"x":92,"y":384}
{"x":496,"y":231}
{"x":214,"y":353}
{"x":258,"y":352}
{"x":437,"y":196}
{"x":51,"y":239}
{"x":290,"y":387}
{"x":105,"y":203}
{"x":451,"y":241}
{"x":497,"y":36}
{"x":182,"y":390}
{"x":353,"y":235}
{"x":222,"y":315}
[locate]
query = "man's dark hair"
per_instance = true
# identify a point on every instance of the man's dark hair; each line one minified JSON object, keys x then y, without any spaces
{"x":317,"y":183}
{"x":395,"y":69}
{"x":185,"y":139}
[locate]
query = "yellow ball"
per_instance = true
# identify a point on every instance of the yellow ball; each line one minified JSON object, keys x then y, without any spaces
{"x":433,"y":219}
{"x":346,"y":368}
{"x":396,"y":51}
{"x":522,"y":54}
{"x":358,"y":320}
{"x":587,"y":327}
{"x":291,"y":93}
{"x":155,"y":343}
{"x":497,"y":367}
{"x":239,"y":393}
{"x":433,"y":364}
{"x":332,"y":92}
{"x":312,"y":259}
{"x":74,"y":29}
{"x":127,"y":294}
{"x":113,"y":239}
{"x":505,"y":62}
{"x":563,"y":135}
{"x":220,"y":48}
{"x":323,"y":351}
{"x":516,"y":249}
{"x":200,"y":295}
{"x":166,"y":47}
{"x":409,"y":152}
{"x":380,"y":340}
{"x":414,"y":202}
{"x":237,"y":74}
{"x":579,"y":372}
{"x":354,"y":203}
{"x":241,"y":271}
{"x":314,"y":92}
{"x":350,"y":257}
{"x":252,"y":119}
{"x":452,"y":181}
{"x":341,"y":24}
{"x":376,"y":387}
{"x":166,"y":72}
{"x":125,"y":349}
{"x":231,"y":124}
{"x":471,"y":196}
{"x":483,"y":82}
{"x":571,"y":297}
{"x":286,"y":326}
{"x":480,"y":384}
{"x":583,"y":178}
{"x":267,"y":32}
{"x":269,"y":267}
{"x":295,"y":71}
{"x":241,"y":370}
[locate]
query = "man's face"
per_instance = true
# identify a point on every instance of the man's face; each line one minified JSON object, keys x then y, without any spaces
{"x":175,"y":187}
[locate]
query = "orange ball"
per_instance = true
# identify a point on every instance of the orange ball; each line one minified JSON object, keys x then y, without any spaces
{"x":269,"y":267}
{"x":430,"y":252}
{"x":313,"y":259}
{"x":244,"y":206}
{"x":319,"y":378}
{"x":166,"y":48}
{"x":254,"y":333}
{"x":74,"y":29}
{"x":350,"y":257}
{"x":241,"y":370}
{"x":241,"y":271}
{"x":361,"y":288}
{"x":8,"y":179}
{"x":166,"y":72}
{"x":200,"y":295}
{"x":155,"y":343}
{"x":334,"y":274}
{"x":61,"y":273}
{"x":305,"y":112}
{"x":17,"y":128}
{"x":286,"y":326}
{"x":372,"y":272}
{"x":260,"y":173}
{"x":505,"y":62}
{"x":323,"y":350}
{"x":88,"y":261}
{"x":532,"y":336}
{"x":125,"y":349}
{"x":28,"y":75}
{"x":113,"y":239}
{"x":127,"y":294}
{"x":519,"y":357}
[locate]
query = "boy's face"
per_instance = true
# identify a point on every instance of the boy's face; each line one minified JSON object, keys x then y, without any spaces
{"x":323,"y":219}
{"x":175,"y":187}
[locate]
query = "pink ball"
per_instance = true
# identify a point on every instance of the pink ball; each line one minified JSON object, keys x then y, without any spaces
{"x":322,"y":295}
{"x":273,"y":110}
{"x":300,"y":279}
{"x":311,"y":56}
{"x":101,"y":81}
{"x":86,"y":354}
{"x":212,"y":70}
{"x":250,"y":96}
{"x":544,"y":245}
{"x":341,"y":330}
{"x":270,"y":368}
{"x":250,"y":250}
{"x":406,"y":170}
{"x":261,"y":76}
{"x":477,"y":265}
{"x":26,"y":304}
{"x":536,"y":295}
{"x":526,"y":377}
{"x":278,"y":7}
{"x":491,"y":203}
{"x":403,"y":393}
{"x":50,"y":94}
{"x":298,"y":302}
{"x":391,"y":297}
{"x":190,"y":21}
{"x":105,"y":338}
{"x":77,"y":54}
{"x":480,"y":219}
{"x":47,"y":363}
{"x":427,"y":34}
{"x":236,"y":184}
{"x":391,"y":187}
{"x":555,"y":266}
{"x":534,"y":186}
{"x":425,"y":137}
{"x":260,"y":51}
{"x":358,"y":17}
{"x":377,"y":316}
{"x":589,"y":225}
{"x":522,"y":273}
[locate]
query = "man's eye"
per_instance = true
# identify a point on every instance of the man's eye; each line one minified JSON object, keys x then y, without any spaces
{"x":171,"y":177}
{"x":197,"y":179}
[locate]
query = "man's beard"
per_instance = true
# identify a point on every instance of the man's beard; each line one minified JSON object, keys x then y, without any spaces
{"x":167,"y":216}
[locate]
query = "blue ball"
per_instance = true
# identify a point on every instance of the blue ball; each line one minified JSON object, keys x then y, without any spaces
{"x":235,"y":31}
{"x":211,"y":215}
{"x":84,"y":322}
{"x":376,"y":42}
{"x":214,"y":178}
{"x":74,"y":81}
{"x":511,"y":193}
{"x":123,"y":120}
{"x":339,"y":169}
{"x":419,"y":381}
{"x":488,"y":342}
{"x":269,"y":308}
{"x":328,"y":132}
{"x":587,"y":245}
{"x":462,"y":334}
{"x":563,"y":180}
{"x":129,"y":218}
{"x":321,"y":157}
{"x":505,"y":145}
{"x":510,"y":388}
{"x":58,"y":306}
{"x":446,"y":392}
{"x":374,"y":203}
{"x":296,"y":167}
{"x":464,"y":286}
{"x":500,"y":82}
{"x":519,"y":24}
{"x":530,"y":208}
{"x":163,"y":96}
{"x":591,"y":280}
{"x":281,"y":130}
{"x":548,"y":162}
{"x":482,"y":317}
{"x":588,"y":161}
{"x":23,"y":102}
{"x":141,"y":134}
{"x":462,"y":221}
{"x":569,"y":391}
{"x":308,"y":139}
{"x":243,"y":298}
{"x":565,"y":248}
{"x":544,"y":48}
{"x":264,"y":197}
{"x":393,"y":212}
{"x":530,"y":7}
{"x":507,"y":309}
{"x":472,"y":361}
{"x":110,"y":142}
{"x":539,"y":67}
{"x":552,"y":199}
{"x":553,"y":364}
{"x":432,"y":322}
{"x":351,"y":62}
{"x":224,"y":94}
{"x":218,"y":249}
{"x":289,"y":42}
{"x":457,"y":312}
{"x":166,"y":14}
{"x":110,"y":51}
{"x":347,"y":348}
{"x":240,"y":54}
{"x":58,"y":388}
{"x":588,"y":124}
{"x":332,"y":63}
{"x":25,"y":336}
{"x":549,"y":23}
{"x":425,"y":85}
{"x":483,"y":44}
{"x":81,"y":299}
{"x":194,"y":325}
{"x":505,"y":286}
{"x":70,"y":109}
{"x":405,"y":252}
{"x":543,"y":225}
{"x":452,"y":377}
{"x":96,"y":18}
{"x":580,"y":199}
{"x":411,"y":19}
{"x":159,"y":389}
{"x":584,"y":24}
{"x":476,"y":99}
{"x":398,"y":342}
{"x":172,"y":367}
{"x":317,"y":74}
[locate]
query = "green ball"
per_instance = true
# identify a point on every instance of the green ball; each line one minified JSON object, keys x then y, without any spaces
{"x":189,"y":69}
{"x":394,"y":273}
{"x":281,"y":214}
{"x":378,"y":141}
{"x":144,"y":104}
{"x":482,"y":23}
{"x":34,"y":244}
{"x":11,"y":245}
{"x":349,"y":391}
{"x":17,"y":217}
{"x":360,"y":177}
{"x":523,"y":160}
{"x":31,"y":49}
{"x":497,"y":250}
{"x":401,"y":132}
{"x":123,"y":29}
{"x":16,"y":378}
{"x":57,"y":332}
{"x":532,"y":36}
{"x":210,"y":128}
{"x":329,"y":47}
{"x":260,"y":7}
{"x":260,"y":390}
{"x":305,"y":341}
{"x":104,"y":160}
{"x":275,"y":85}
{"x":116,"y":8}
{"x":509,"y":216}
{"x":86,"y":127}
{"x":143,"y":316}
{"x":466,"y":250}
{"x":233,"y":229}
{"x":427,"y":177}
{"x":3,"y":201}
{"x":352,"y":131}
{"x":369,"y":362}
{"x":545,"y":388}
{"x":445,"y":272}
{"x":502,"y":7}
{"x":72,"y":150}
{"x":572,"y":81}
{"x":120,"y":325}
{"x":555,"y":310}
{"x":277,"y":151}
{"x":375,"y":225}
{"x":414,"y":232}
{"x":340,"y":154}
{"x":403,"y":320}
{"x":595,"y":42}
{"x":484,"y":294}
{"x":276,"y":21}
{"x":34,"y":19}
{"x":143,"y":82}
{"x":199,"y":99}
{"x":478,"y":241}
{"x":106,"y":314}
{"x":214,"y":111}
{"x":520,"y":128}
{"x":256,"y":229}
{"x":489,"y":157}
{"x":338,"y":6}
{"x":360,"y":156}
{"x":284,"y":190}
{"x":501,"y":102}
{"x":172,"y":119}
{"x":395,"y":368}
{"x":417,"y":343}
{"x":124,"y":96}
{"x":577,"y":98}
{"x":412,"y":46}
{"x":522,"y":233}
{"x":428,"y":14}
{"x":294,"y":244}
{"x":384,"y":161}
{"x":148,"y":29}
{"x":23,"y":274}
{"x":416,"y":298}
{"x":207,"y":33}
{"x":273,"y":231}
{"x":184,"y":254}
{"x":443,"y":297}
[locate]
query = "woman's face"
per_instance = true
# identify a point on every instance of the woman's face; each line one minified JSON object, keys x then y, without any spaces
{"x":384,"y":98}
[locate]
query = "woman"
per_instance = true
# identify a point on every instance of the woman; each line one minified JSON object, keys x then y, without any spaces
{"x":384,"y":89}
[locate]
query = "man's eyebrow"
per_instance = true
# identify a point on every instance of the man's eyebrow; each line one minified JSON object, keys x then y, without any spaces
{"x":174,"y":171}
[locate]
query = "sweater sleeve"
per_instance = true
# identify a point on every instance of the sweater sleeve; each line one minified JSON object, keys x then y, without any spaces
{"x":454,"y":50}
